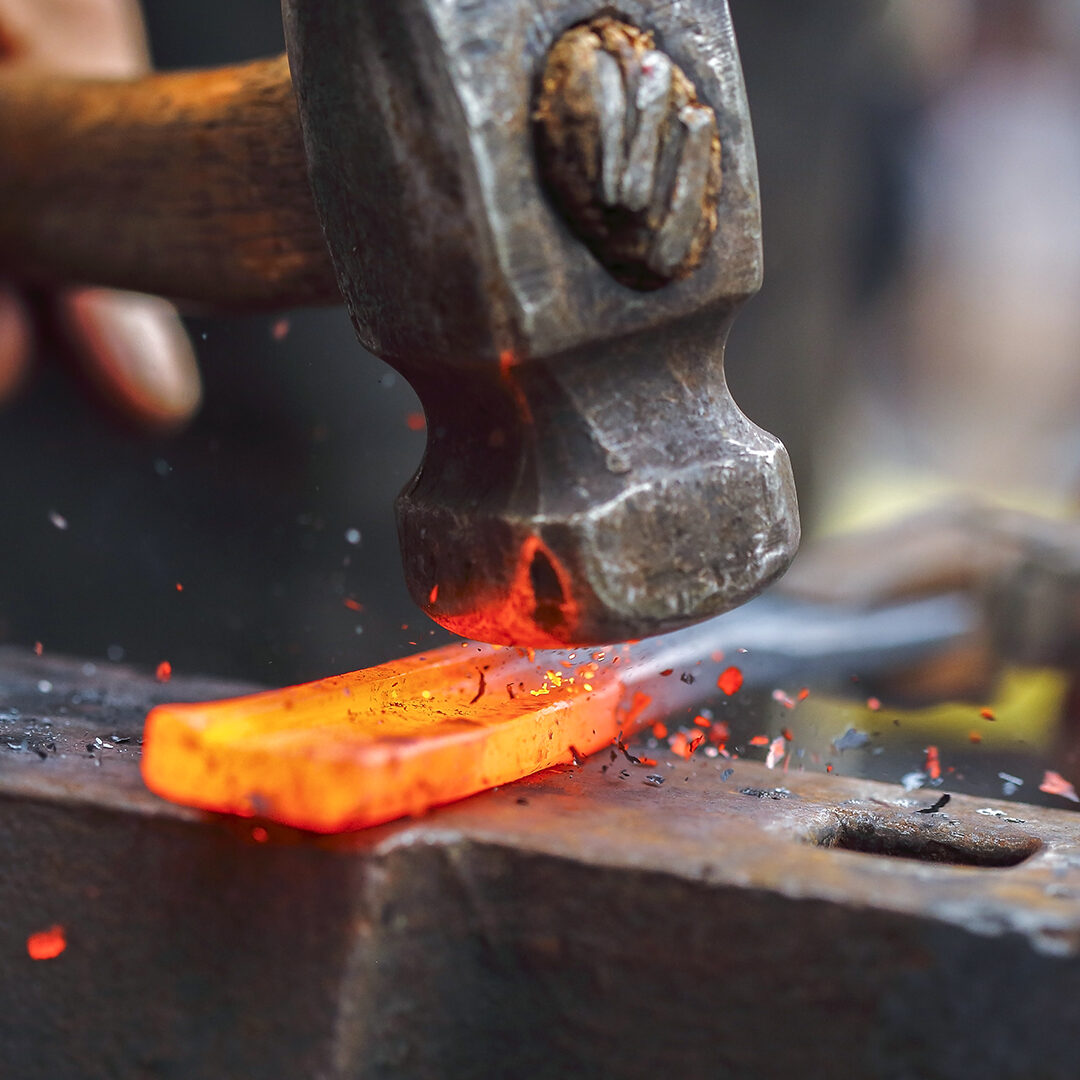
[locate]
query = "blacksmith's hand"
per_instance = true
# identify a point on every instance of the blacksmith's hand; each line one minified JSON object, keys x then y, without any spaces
{"x":132,"y":347}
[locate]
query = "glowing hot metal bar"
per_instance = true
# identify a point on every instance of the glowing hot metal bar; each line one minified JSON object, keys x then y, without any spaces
{"x":371,"y":746}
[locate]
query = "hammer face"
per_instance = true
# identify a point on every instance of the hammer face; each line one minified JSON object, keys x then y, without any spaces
{"x":603,"y":495}
{"x":588,"y":477}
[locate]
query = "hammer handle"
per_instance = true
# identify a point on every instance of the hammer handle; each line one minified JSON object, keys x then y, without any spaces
{"x":190,"y":185}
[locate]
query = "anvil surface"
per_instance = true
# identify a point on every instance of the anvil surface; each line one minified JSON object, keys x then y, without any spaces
{"x":583,"y":922}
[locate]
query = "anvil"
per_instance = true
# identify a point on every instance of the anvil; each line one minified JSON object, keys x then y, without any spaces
{"x":728,"y":921}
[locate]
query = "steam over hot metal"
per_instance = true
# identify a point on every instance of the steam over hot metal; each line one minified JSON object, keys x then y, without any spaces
{"x":371,"y":746}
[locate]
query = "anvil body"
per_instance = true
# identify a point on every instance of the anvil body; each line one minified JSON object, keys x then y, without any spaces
{"x":583,"y":922}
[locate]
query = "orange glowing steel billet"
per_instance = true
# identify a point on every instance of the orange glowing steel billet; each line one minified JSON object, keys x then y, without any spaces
{"x":375,"y":745}
{"x":371,"y":746}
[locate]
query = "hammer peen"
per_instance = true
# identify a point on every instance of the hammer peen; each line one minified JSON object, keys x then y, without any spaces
{"x":545,"y":217}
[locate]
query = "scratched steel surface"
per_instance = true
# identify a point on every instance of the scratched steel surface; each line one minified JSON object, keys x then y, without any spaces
{"x":581,"y":922}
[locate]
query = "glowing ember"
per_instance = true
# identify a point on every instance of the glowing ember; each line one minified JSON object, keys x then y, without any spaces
{"x":164,"y":671}
{"x":683,"y":744}
{"x":1055,"y":784}
{"x":933,"y":763}
{"x":415,"y":421}
{"x":730,"y":681}
{"x":46,"y":944}
{"x":873,"y":704}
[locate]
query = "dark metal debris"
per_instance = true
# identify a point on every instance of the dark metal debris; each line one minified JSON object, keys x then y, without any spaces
{"x":942,"y":802}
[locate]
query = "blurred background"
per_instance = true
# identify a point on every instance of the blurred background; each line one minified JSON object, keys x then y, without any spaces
{"x":918,"y":337}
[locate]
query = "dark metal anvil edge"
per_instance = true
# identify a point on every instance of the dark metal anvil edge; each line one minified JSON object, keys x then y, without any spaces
{"x":581,"y":922}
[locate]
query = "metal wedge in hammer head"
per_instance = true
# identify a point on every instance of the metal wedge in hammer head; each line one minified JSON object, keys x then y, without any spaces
{"x":546,"y":218}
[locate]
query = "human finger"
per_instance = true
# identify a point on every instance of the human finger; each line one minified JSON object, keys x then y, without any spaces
{"x":135,"y":350}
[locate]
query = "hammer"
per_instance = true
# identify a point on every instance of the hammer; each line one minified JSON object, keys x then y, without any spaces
{"x":543,"y":216}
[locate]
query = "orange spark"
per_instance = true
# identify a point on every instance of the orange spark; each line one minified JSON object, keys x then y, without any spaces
{"x":873,"y":704}
{"x":730,"y":681}
{"x":683,"y":744}
{"x":164,"y":671}
{"x":415,"y":421}
{"x":987,"y":714}
{"x":760,"y":740}
{"x":38,"y":648}
{"x":353,"y":605}
{"x":719,"y":732}
{"x":47,"y":944}
{"x":933,"y":763}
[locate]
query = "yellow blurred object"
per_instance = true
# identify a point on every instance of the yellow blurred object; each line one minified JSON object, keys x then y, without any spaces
{"x":1026,"y":707}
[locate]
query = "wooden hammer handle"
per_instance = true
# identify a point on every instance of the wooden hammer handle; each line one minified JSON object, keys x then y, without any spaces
{"x":189,"y":185}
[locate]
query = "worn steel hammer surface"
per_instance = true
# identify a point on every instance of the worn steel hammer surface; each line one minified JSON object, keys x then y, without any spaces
{"x":546,"y":219}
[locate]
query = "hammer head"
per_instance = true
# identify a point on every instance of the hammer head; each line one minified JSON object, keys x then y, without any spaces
{"x":587,"y":477}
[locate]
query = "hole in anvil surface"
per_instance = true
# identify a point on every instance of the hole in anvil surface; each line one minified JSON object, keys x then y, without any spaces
{"x":940,"y":841}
